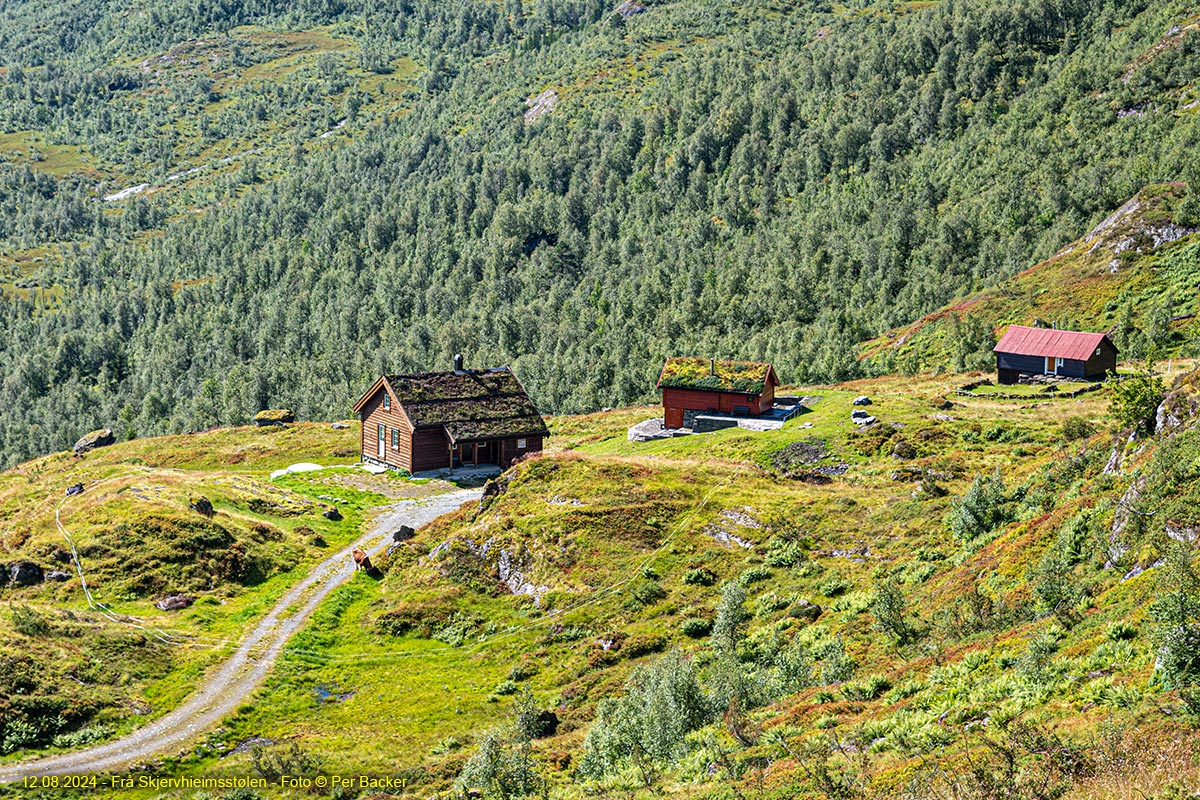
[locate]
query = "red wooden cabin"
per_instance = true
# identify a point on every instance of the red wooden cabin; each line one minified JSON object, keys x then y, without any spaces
{"x":704,"y":385}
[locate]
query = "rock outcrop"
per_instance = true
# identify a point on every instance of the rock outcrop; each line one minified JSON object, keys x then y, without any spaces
{"x":101,"y":438}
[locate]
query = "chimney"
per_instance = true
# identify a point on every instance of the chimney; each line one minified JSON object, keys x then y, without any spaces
{"x":712,"y":366}
{"x":458,"y":362}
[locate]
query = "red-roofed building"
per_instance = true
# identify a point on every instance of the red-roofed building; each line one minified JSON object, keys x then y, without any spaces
{"x":1047,"y":351}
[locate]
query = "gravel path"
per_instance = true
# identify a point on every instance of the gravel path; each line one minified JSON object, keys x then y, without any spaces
{"x":228,"y":686}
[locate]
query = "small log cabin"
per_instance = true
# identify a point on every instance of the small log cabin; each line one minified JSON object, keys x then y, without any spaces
{"x":704,"y":385}
{"x":1047,"y":351}
{"x":443,"y":420}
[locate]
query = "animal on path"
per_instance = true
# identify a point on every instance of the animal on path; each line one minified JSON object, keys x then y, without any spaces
{"x":361,"y":559}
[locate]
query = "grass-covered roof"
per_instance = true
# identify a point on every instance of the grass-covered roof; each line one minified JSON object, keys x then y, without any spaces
{"x":470,"y":405}
{"x":743,"y":377}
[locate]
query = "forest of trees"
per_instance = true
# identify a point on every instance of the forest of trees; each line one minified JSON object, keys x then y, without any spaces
{"x":769,"y":180}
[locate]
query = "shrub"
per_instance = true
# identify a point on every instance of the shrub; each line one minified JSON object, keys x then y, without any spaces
{"x":696,"y":627}
{"x":890,"y":610}
{"x":645,"y":592}
{"x":29,"y":622}
{"x":1120,"y":631}
{"x":729,"y":627}
{"x":506,"y":687}
{"x":783,"y":553}
{"x":1176,"y":613}
{"x":983,"y":509}
{"x":769,"y":603}
{"x":701,"y":576}
{"x":646,"y":727}
{"x":754,"y":575}
{"x":869,"y":688}
{"x":832,"y":587}
{"x":836,"y":665}
{"x":1135,"y":399}
{"x":1074,"y":428}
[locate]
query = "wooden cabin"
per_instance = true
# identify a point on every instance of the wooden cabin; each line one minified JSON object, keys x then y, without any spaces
{"x":444,"y":420}
{"x":1047,"y":351}
{"x":693,"y":386}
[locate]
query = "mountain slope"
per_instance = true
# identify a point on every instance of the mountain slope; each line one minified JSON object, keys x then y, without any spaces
{"x":775,"y":180}
{"x":886,"y":637}
{"x":1133,"y":276}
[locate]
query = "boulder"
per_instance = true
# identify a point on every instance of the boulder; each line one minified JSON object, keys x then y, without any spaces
{"x":273,"y":416}
{"x":332,"y":514}
{"x":202,"y":505}
{"x":404,"y":534}
{"x":101,"y":438}
{"x":805,"y":610}
{"x":866,"y":419}
{"x":174,"y":602}
{"x":904,"y":451}
{"x":340,"y":426}
{"x":942,"y":404}
{"x":74,"y":490}
{"x":862,"y":400}
{"x":24,"y":573}
{"x":57,"y":576}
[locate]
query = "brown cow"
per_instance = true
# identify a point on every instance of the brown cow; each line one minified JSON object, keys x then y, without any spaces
{"x":362,"y":560}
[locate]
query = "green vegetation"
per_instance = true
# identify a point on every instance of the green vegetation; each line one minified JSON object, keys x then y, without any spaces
{"x":763,"y":181}
{"x":594,"y":629}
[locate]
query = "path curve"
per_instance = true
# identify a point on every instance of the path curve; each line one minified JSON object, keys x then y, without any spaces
{"x":226,"y":687}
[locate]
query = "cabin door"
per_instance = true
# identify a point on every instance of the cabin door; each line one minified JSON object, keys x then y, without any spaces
{"x":381,"y":450}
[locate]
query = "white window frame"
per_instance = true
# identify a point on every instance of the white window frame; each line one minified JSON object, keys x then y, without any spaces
{"x":387,"y":401}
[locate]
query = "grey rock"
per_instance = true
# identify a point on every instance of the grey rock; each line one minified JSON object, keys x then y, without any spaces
{"x":862,"y":400}
{"x":24,"y":573}
{"x":174,"y":602}
{"x":863,"y":421}
{"x":805,"y":610}
{"x":101,"y":438}
{"x":74,"y":490}
{"x":57,"y":576}
{"x":339,"y":426}
{"x":403,"y":534}
{"x":332,"y":514}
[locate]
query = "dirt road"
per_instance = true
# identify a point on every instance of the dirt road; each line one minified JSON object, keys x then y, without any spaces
{"x":226,"y":687}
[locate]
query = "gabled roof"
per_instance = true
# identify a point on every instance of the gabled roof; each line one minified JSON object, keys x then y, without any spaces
{"x":740,"y":377}
{"x":1049,"y":342}
{"x":470,"y":405}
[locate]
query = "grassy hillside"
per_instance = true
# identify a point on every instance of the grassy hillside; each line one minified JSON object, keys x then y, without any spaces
{"x":852,"y":631}
{"x":1133,"y":276}
{"x":764,"y":180}
{"x":79,"y":669}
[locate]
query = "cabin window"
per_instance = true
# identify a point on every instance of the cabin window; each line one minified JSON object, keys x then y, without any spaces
{"x":387,"y":404}
{"x":521,"y":443}
{"x":395,"y":439}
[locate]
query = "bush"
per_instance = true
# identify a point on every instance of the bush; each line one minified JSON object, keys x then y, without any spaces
{"x":1176,"y":613}
{"x":1120,"y":631}
{"x":1075,"y":428}
{"x":646,"y":727}
{"x":645,"y":592}
{"x":783,"y":553}
{"x":701,"y":576}
{"x":983,"y":509}
{"x":506,"y":687}
{"x":1134,"y":400}
{"x":696,"y":627}
{"x":29,"y":622}
{"x":754,"y":575}
{"x":832,"y":587}
{"x":729,"y":627}
{"x":890,"y":610}
{"x":869,"y":688}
